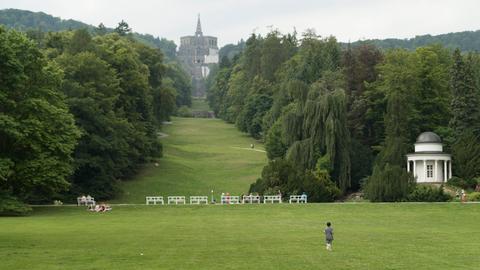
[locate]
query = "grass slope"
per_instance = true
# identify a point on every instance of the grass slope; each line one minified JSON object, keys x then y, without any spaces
{"x":199,"y":155}
{"x":367,"y":236}
{"x":200,"y":104}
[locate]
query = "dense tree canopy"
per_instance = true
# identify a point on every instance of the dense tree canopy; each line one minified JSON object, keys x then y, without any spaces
{"x":355,"y":112}
{"x":82,"y":118}
{"x":37,"y":131}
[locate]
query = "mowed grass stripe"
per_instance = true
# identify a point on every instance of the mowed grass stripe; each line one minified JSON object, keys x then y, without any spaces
{"x":367,"y":236}
{"x":199,"y":155}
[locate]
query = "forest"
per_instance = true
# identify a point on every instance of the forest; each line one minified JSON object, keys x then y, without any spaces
{"x":338,"y":119}
{"x":465,"y":41}
{"x":80,"y":112}
{"x":82,"y":105}
{"x":37,"y":23}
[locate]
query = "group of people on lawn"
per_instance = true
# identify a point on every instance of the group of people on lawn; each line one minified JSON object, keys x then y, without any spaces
{"x":91,"y":206}
{"x":102,"y":207}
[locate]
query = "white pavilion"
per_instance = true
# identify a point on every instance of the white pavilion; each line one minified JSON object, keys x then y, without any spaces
{"x":429,"y":164}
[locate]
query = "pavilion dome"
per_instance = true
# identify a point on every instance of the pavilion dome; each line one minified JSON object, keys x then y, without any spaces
{"x":429,"y":137}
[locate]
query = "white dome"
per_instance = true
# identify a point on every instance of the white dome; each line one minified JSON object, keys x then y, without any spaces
{"x":428,"y":137}
{"x":428,"y":142}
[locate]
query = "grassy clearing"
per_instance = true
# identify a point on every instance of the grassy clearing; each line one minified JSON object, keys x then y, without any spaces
{"x":199,"y":155}
{"x":367,"y":236}
{"x":200,"y":104}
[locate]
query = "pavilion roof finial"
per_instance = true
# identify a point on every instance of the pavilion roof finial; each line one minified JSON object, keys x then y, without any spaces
{"x":199,"y":27}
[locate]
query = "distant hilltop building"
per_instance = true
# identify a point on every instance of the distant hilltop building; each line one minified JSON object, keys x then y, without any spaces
{"x":197,"y":54}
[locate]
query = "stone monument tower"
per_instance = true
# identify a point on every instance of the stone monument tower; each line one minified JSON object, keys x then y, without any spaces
{"x":197,"y":53}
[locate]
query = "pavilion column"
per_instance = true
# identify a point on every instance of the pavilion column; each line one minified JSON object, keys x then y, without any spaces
{"x":450,"y":169}
{"x":424,"y":170}
{"x":445,"y":171}
{"x":408,"y":165}
{"x":435,"y":173}
{"x":414,"y":166}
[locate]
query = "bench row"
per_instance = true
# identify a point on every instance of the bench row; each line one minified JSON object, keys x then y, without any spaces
{"x":85,"y":201}
{"x":225,"y":199}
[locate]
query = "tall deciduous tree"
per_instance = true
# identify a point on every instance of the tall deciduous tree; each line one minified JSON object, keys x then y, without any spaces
{"x":37,"y":133}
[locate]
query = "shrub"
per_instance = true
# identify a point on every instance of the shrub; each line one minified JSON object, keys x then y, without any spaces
{"x":462,"y":183}
{"x":10,"y":206}
{"x":474,"y":196}
{"x":428,"y":194}
{"x":319,"y":187}
{"x":184,"y":111}
{"x":282,"y":175}
{"x":389,"y":184}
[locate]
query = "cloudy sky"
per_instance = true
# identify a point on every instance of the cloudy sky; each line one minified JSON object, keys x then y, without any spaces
{"x":231,"y":20}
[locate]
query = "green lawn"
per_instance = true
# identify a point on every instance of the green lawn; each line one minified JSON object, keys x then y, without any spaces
{"x":205,"y":154}
{"x":200,"y":104}
{"x":199,"y":155}
{"x":367,"y":236}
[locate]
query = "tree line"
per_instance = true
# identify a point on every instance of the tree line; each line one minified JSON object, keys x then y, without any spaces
{"x":79,"y":113}
{"x":39,"y":23}
{"x":340,"y":119}
{"x":465,"y":41}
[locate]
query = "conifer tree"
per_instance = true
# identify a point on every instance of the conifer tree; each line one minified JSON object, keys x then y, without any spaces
{"x":101,"y":29}
{"x":390,"y":180}
{"x":465,"y":121}
{"x":465,"y":100}
{"x":123,"y":29}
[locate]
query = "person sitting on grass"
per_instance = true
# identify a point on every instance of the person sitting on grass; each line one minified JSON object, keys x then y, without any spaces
{"x":100,"y":208}
{"x":83,"y":200}
{"x":329,"y":236}
{"x":104,"y":207}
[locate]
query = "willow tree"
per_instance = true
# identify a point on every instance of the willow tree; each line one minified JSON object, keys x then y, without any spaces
{"x":324,"y":131}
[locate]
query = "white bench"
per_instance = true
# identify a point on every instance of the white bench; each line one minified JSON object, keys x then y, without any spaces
{"x":272,"y":199}
{"x":154,"y":200}
{"x":298,"y":198}
{"x":198,"y":199}
{"x":85,"y":201}
{"x":227,"y":199}
{"x":251,"y":199}
{"x":176,"y":200}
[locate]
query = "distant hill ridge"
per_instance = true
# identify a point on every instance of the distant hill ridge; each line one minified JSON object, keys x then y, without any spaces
{"x":24,"y":20}
{"x":465,"y":41}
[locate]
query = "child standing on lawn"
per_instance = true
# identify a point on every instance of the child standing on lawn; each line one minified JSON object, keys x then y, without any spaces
{"x":329,"y":236}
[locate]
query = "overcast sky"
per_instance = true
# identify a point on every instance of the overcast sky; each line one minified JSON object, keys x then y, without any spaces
{"x":231,"y":20}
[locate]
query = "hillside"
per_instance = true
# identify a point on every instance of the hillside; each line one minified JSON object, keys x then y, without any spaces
{"x":24,"y":20}
{"x":199,"y":155}
{"x":465,"y":41}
